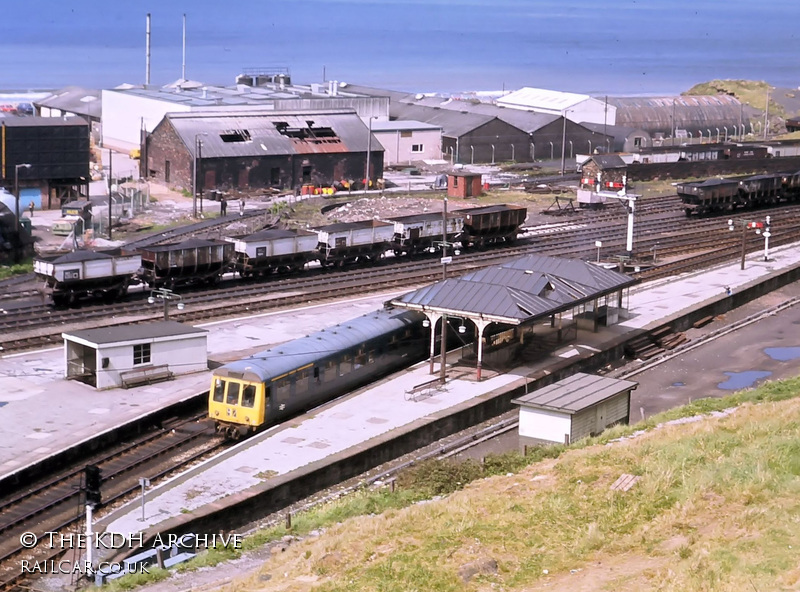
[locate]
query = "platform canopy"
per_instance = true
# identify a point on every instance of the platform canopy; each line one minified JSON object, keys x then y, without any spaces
{"x":518,"y":290}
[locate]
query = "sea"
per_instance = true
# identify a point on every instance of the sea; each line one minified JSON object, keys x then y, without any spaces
{"x":617,"y":48}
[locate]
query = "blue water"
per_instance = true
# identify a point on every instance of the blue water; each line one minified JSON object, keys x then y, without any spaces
{"x":739,"y":380}
{"x":601,"y":47}
{"x":783,"y":354}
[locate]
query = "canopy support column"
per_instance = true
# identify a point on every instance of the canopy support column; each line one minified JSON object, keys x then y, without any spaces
{"x":432,"y":320}
{"x":480,"y":325}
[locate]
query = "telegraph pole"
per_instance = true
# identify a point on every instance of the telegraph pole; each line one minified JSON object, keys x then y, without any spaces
{"x":443,"y":369}
{"x":110,"y":170}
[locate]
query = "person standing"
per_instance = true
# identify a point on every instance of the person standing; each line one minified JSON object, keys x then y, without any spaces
{"x":241,"y":207}
{"x":223,"y":206}
{"x":30,"y":207}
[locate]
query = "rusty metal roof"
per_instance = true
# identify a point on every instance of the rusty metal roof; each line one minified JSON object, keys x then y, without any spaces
{"x":519,"y":290}
{"x":575,"y":393}
{"x":236,"y":133}
{"x":655,"y":114}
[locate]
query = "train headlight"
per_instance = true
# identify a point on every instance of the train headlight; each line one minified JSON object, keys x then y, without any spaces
{"x":216,"y":413}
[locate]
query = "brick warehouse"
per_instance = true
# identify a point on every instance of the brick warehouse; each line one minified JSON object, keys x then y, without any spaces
{"x":254,"y":150}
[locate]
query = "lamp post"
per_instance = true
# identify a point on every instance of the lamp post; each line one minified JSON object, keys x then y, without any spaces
{"x":110,"y":188}
{"x":196,"y":171}
{"x":369,"y":149}
{"x":166,"y":296}
{"x":445,"y":261}
{"x":751,"y":225}
{"x":17,"y":167}
{"x":563,"y":139}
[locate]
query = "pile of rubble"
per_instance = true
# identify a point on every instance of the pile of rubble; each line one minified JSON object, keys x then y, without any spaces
{"x":387,"y":207}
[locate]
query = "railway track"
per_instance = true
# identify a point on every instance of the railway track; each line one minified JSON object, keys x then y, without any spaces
{"x":55,"y":504}
{"x":661,"y":228}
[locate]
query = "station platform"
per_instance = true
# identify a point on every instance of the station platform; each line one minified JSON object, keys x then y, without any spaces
{"x":44,"y":414}
{"x":341,"y":430}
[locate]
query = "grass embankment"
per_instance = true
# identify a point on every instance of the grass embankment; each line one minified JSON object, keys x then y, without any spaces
{"x":716,"y":508}
{"x":749,"y":92}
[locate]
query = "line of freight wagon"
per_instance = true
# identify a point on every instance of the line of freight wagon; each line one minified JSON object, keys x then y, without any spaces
{"x":108,"y":274}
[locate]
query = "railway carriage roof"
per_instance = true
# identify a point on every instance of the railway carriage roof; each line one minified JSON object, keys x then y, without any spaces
{"x":313,"y":348}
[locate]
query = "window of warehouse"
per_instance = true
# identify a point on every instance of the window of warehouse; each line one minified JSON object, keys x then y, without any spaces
{"x":416,"y":147}
{"x":141,"y":354}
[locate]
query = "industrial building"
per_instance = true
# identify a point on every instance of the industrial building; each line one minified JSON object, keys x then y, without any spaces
{"x":407,"y":141}
{"x":58,"y":152}
{"x":251,"y":150}
{"x":74,"y":101}
{"x":131,"y":110}
{"x":716,"y":117}
{"x":575,"y":107}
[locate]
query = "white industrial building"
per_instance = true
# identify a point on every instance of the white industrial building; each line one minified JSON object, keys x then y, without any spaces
{"x":575,"y":107}
{"x":131,"y":355}
{"x":577,"y":407}
{"x":407,"y":141}
{"x":129,"y":109}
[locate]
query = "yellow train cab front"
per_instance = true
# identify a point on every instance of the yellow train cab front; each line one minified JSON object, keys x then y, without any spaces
{"x":235,"y":401}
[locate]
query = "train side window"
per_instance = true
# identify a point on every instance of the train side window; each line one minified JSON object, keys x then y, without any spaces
{"x":249,"y":396}
{"x":301,"y":381}
{"x":282,"y":389}
{"x":316,"y":374}
{"x":219,"y":390}
{"x":346,"y":365}
{"x":371,"y":356}
{"x":360,"y":359}
{"x":233,"y":393}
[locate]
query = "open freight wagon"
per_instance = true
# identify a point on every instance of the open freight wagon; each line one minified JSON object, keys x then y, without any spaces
{"x":194,"y":261}
{"x":87,"y":274}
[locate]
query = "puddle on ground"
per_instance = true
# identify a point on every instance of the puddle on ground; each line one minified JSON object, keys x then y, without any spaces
{"x":678,"y":384}
{"x":741,"y":380}
{"x":783,"y":354}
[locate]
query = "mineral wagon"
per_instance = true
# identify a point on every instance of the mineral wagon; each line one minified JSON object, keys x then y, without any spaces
{"x":418,"y":233}
{"x":190,"y":262}
{"x":348,"y":242}
{"x":491,"y":224}
{"x":87,"y":274}
{"x":268,"y":251}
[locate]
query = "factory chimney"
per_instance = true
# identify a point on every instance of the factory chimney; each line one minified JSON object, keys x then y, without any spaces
{"x":183,"y":68}
{"x":147,"y":53}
